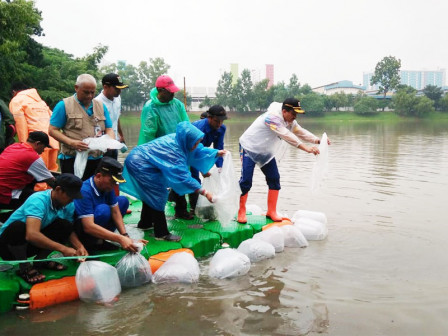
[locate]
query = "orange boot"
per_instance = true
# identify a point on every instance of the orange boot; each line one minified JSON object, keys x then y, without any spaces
{"x":242,"y":218}
{"x":272,"y":206}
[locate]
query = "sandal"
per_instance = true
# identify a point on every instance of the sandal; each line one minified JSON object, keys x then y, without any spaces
{"x":31,"y":275}
{"x":52,"y":265}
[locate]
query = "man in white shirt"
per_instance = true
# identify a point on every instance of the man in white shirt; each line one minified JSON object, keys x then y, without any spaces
{"x":110,"y":96}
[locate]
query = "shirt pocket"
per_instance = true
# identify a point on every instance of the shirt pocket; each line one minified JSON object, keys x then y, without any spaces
{"x":74,"y":123}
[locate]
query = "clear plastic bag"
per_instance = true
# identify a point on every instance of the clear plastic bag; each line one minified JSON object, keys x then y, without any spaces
{"x":320,"y":169}
{"x":256,"y":249}
{"x":102,"y":143}
{"x":228,"y":263}
{"x":226,"y":192}
{"x":133,"y":270}
{"x":180,"y":267}
{"x":97,"y":282}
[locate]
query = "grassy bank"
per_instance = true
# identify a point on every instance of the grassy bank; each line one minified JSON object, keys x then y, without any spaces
{"x":133,"y":117}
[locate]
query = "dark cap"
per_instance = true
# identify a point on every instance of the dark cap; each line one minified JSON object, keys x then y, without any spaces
{"x":217,"y":111}
{"x":292,"y":103}
{"x":112,"y":167}
{"x":114,"y":80}
{"x":39,"y":136}
{"x":70,"y":184}
{"x":204,"y":115}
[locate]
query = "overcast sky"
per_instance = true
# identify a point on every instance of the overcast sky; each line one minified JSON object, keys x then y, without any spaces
{"x":320,"y":41}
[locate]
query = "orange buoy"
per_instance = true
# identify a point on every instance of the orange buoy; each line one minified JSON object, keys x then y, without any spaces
{"x":285,"y":221}
{"x":158,"y":259}
{"x":52,"y":292}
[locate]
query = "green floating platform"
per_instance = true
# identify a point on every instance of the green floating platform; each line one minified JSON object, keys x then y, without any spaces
{"x":203,"y":237}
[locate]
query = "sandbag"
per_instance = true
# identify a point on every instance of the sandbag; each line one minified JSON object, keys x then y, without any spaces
{"x":320,"y":168}
{"x":315,"y":215}
{"x":293,"y":236}
{"x":204,"y":209}
{"x":256,"y":249}
{"x":97,"y":282}
{"x":180,"y":267}
{"x":312,"y":229}
{"x":102,"y":143}
{"x":274,"y":236}
{"x":228,"y":263}
{"x":133,"y":270}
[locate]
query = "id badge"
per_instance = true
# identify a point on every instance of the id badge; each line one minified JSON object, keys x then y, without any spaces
{"x":98,"y":131}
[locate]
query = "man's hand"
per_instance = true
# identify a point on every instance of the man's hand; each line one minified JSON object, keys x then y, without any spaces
{"x":221,"y":153}
{"x":128,"y":244}
{"x":68,"y":252}
{"x":206,"y":174}
{"x":81,"y":252}
{"x":79,"y":145}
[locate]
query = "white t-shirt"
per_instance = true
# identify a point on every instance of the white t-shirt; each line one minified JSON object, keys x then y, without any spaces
{"x":114,"y":108}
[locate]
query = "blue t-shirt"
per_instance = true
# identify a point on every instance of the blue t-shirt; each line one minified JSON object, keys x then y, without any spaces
{"x":59,"y":119}
{"x":91,"y":198}
{"x":212,"y":136}
{"x":40,"y":206}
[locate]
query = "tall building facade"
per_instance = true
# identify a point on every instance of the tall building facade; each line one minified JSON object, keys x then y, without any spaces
{"x":234,"y":72}
{"x":414,"y":78}
{"x":270,"y":74}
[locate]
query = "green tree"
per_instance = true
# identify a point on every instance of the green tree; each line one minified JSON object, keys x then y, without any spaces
{"x":387,"y":74}
{"x":305,"y":89}
{"x":405,"y":101}
{"x":366,"y":106}
{"x":182,"y":96}
{"x":247,"y":88}
{"x":207,"y":102}
{"x":444,"y":103}
{"x":424,"y":107}
{"x":224,"y":90}
{"x":262,"y":96}
{"x":293,"y":86}
{"x":434,"y":93}
{"x":280,"y":92}
{"x":313,"y":104}
{"x":148,"y":73}
{"x":19,"y":21}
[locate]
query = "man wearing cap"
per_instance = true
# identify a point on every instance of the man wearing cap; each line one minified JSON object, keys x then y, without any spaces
{"x":76,"y":118}
{"x":262,"y":141}
{"x":160,"y":116}
{"x":214,"y":130}
{"x":110,"y":96}
{"x":44,"y":223}
{"x":31,"y":113}
{"x":100,"y":212}
{"x":20,"y":167}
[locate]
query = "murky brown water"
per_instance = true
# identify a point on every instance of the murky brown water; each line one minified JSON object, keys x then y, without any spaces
{"x":381,"y":271}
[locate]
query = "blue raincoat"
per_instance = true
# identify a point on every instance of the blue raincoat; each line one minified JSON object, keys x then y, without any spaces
{"x":151,"y":168}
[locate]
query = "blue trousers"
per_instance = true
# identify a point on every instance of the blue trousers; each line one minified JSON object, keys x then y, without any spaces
{"x":269,"y":170}
{"x":103,"y":216}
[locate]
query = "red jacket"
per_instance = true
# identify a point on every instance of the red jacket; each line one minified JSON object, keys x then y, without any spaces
{"x":14,"y":164}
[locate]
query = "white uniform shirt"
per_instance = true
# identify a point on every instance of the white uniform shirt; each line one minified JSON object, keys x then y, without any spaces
{"x":114,"y":108}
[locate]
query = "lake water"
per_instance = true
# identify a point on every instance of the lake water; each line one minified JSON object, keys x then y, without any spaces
{"x":381,"y":271}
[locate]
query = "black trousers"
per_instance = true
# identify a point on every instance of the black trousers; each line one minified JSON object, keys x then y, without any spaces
{"x":16,"y":203}
{"x":153,"y":218}
{"x":68,"y":166}
{"x":14,"y":246}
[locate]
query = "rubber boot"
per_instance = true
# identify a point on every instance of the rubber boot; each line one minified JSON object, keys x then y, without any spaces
{"x":272,"y":206}
{"x":242,"y":218}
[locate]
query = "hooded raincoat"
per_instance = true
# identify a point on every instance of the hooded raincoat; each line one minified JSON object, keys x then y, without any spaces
{"x":151,"y":168}
{"x":159,"y":119}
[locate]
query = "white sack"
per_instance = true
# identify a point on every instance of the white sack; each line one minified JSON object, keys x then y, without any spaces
{"x":320,"y":169}
{"x":180,"y":267}
{"x":312,"y":229}
{"x":133,"y":270}
{"x":273,"y":236}
{"x":228,"y":263}
{"x":97,"y":282}
{"x":293,"y":236}
{"x":102,"y":143}
{"x":317,"y":216}
{"x":256,"y":249}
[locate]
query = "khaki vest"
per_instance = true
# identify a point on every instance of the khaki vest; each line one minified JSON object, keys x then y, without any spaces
{"x":80,"y":125}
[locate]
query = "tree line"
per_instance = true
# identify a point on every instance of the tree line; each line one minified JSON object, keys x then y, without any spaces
{"x":53,"y":72}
